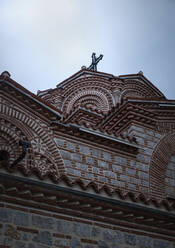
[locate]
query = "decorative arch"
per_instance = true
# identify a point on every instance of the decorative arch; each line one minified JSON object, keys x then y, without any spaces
{"x":136,"y":88}
{"x":90,"y":91}
{"x":162,"y":153}
{"x":21,"y":125}
{"x":92,"y":97}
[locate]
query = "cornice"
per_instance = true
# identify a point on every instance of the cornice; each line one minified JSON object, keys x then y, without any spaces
{"x":30,"y":193}
{"x":127,"y":113}
{"x":125,"y":144}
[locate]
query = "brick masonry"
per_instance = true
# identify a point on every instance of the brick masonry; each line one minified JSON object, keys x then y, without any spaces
{"x":122,"y":171}
{"x":55,"y":155}
{"x":28,"y":228}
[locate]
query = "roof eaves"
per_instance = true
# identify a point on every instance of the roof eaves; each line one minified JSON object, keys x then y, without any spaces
{"x":29,"y":95}
{"x":140,"y":76}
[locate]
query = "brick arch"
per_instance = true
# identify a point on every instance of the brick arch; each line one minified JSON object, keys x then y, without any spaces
{"x":96,"y":91}
{"x":158,"y":165}
{"x":136,"y":88}
{"x":98,"y":99}
{"x":34,"y":128}
{"x":18,"y":127}
{"x":83,"y":83}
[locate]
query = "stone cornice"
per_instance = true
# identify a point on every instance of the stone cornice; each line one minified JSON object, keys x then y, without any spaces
{"x":70,"y":201}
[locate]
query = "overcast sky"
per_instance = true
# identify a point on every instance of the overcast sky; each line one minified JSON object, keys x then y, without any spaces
{"x":42,"y":42}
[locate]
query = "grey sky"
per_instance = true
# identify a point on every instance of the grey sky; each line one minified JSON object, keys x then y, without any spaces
{"x":42,"y":42}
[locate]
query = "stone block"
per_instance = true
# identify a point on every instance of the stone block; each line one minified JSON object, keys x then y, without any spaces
{"x":117,"y":183}
{"x":95,"y":170}
{"x":89,"y":176}
{"x":117,"y":168}
{"x":120,"y":160}
{"x":143,"y":167}
{"x":65,"y":154}
{"x":96,"y":153}
{"x":102,"y":244}
{"x":73,"y":172}
{"x":125,"y":178}
{"x":21,"y":219}
{"x":140,"y":140}
{"x":42,"y":222}
{"x":108,"y":235}
{"x":82,"y":230}
{"x":109,"y":174}
{"x":61,"y":243}
{"x":130,"y":172}
{"x":75,"y":243}
{"x":80,"y":166}
{"x":107,"y":156}
{"x":89,"y":160}
{"x":131,"y":186}
{"x":68,"y":163}
{"x":145,"y":242}
{"x":85,"y":150}
{"x":43,"y":237}
{"x":70,"y":146}
{"x":135,"y":180}
{"x":130,"y":239}
{"x":64,"y":227}
{"x":96,"y":231}
{"x":5,"y":215}
{"x":113,"y":237}
{"x":118,"y":237}
{"x":77,"y":157}
{"x":102,"y":179}
{"x":103,"y":164}
{"x":143,"y":158}
{"x":160,"y":243}
{"x":133,"y":164}
{"x":151,"y":144}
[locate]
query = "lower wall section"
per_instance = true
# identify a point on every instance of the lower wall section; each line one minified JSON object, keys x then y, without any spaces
{"x":31,"y":228}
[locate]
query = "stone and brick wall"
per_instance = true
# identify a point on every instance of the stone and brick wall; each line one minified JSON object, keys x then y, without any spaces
{"x":93,"y":163}
{"x":22,"y":227}
{"x":170,"y":177}
{"x":26,"y":221}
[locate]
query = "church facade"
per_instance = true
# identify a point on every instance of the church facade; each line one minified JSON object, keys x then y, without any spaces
{"x":88,"y":164}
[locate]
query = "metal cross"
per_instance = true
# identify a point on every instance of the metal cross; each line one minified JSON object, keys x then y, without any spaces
{"x":95,"y":61}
